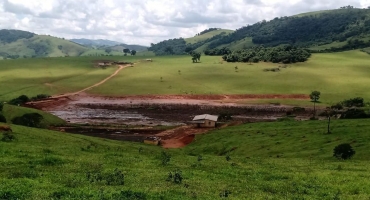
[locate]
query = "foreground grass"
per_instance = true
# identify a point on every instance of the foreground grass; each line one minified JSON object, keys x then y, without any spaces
{"x":43,"y":164}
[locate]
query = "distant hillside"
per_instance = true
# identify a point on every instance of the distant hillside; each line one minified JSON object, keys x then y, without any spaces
{"x":321,"y":31}
{"x":22,"y":44}
{"x":182,"y":46}
{"x":108,"y":44}
{"x":120,"y":47}
{"x":95,"y":43}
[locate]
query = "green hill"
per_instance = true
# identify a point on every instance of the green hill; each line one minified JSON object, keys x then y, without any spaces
{"x":282,"y":160}
{"x":207,"y":35}
{"x":321,"y":31}
{"x":31,"y":45}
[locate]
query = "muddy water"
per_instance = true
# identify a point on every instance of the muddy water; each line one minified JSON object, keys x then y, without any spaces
{"x":83,"y":115}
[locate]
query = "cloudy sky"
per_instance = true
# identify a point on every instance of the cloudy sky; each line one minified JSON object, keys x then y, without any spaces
{"x":148,"y":21}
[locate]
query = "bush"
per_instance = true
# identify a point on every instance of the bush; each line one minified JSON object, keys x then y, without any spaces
{"x":40,"y":97}
{"x":175,"y":177}
{"x":30,"y":120}
{"x":8,"y":137}
{"x":19,"y":100}
{"x":2,"y":118}
{"x":1,"y":106}
{"x":165,"y":158}
{"x":344,"y":151}
{"x":354,"y":114}
{"x":355,"y":102}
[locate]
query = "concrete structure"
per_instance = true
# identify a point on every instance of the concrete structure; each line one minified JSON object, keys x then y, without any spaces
{"x":205,"y":121}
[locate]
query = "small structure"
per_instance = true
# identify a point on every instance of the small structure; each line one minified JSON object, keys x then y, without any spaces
{"x":205,"y":121}
{"x":152,"y":140}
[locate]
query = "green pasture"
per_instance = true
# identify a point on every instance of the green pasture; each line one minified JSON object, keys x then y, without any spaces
{"x":50,"y":75}
{"x":282,"y":160}
{"x":337,"y":76}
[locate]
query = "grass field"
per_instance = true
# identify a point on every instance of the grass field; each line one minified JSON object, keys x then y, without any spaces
{"x":282,"y":160}
{"x":337,"y":76}
{"x":50,"y":75}
{"x":10,"y":112}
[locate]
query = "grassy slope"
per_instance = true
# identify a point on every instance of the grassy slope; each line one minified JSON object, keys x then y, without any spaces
{"x":43,"y":164}
{"x":49,"y":75}
{"x":337,"y":75}
{"x":208,"y":35}
{"x":20,"y":47}
{"x":11,"y":112}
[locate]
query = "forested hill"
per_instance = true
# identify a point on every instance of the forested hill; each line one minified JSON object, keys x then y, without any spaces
{"x":332,"y":30}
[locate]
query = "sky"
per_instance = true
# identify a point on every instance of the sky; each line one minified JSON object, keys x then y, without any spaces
{"x":148,"y":21}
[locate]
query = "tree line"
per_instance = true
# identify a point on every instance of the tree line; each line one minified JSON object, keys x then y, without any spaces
{"x":284,"y":54}
{"x":303,"y":31}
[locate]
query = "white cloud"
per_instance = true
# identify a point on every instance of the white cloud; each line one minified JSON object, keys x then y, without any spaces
{"x":148,"y":21}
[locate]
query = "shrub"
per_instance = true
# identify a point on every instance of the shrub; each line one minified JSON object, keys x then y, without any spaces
{"x":344,"y":151}
{"x":356,"y":102}
{"x":19,"y":100}
{"x":175,"y":177}
{"x":354,"y":114}
{"x":1,"y":106}
{"x":30,"y":120}
{"x":8,"y":137}
{"x":115,"y":178}
{"x":2,"y":118}
{"x":165,"y":158}
{"x":40,"y":97}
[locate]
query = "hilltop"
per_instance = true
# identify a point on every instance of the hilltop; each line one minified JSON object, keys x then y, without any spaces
{"x":321,"y":31}
{"x":105,"y":44}
{"x":22,"y":44}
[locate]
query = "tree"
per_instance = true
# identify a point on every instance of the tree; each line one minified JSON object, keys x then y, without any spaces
{"x":133,"y":52}
{"x":108,"y":50}
{"x":315,"y":96}
{"x":195,"y":56}
{"x":126,"y":51}
{"x":329,"y":112}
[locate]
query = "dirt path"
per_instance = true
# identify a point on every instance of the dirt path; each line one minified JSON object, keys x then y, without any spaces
{"x":180,"y":136}
{"x":95,"y":85}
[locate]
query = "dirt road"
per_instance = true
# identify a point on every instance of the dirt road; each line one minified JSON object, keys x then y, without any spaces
{"x":95,"y":85}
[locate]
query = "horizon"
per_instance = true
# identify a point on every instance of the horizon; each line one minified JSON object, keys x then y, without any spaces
{"x":148,"y":21}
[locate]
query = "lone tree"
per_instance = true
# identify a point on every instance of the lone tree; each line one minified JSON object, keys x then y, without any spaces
{"x":329,"y":112}
{"x":126,"y":51}
{"x":108,"y":50}
{"x":195,"y":56}
{"x":133,"y":52}
{"x":314,"y":96}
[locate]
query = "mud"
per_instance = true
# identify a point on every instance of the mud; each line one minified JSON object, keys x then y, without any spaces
{"x":149,"y":111}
